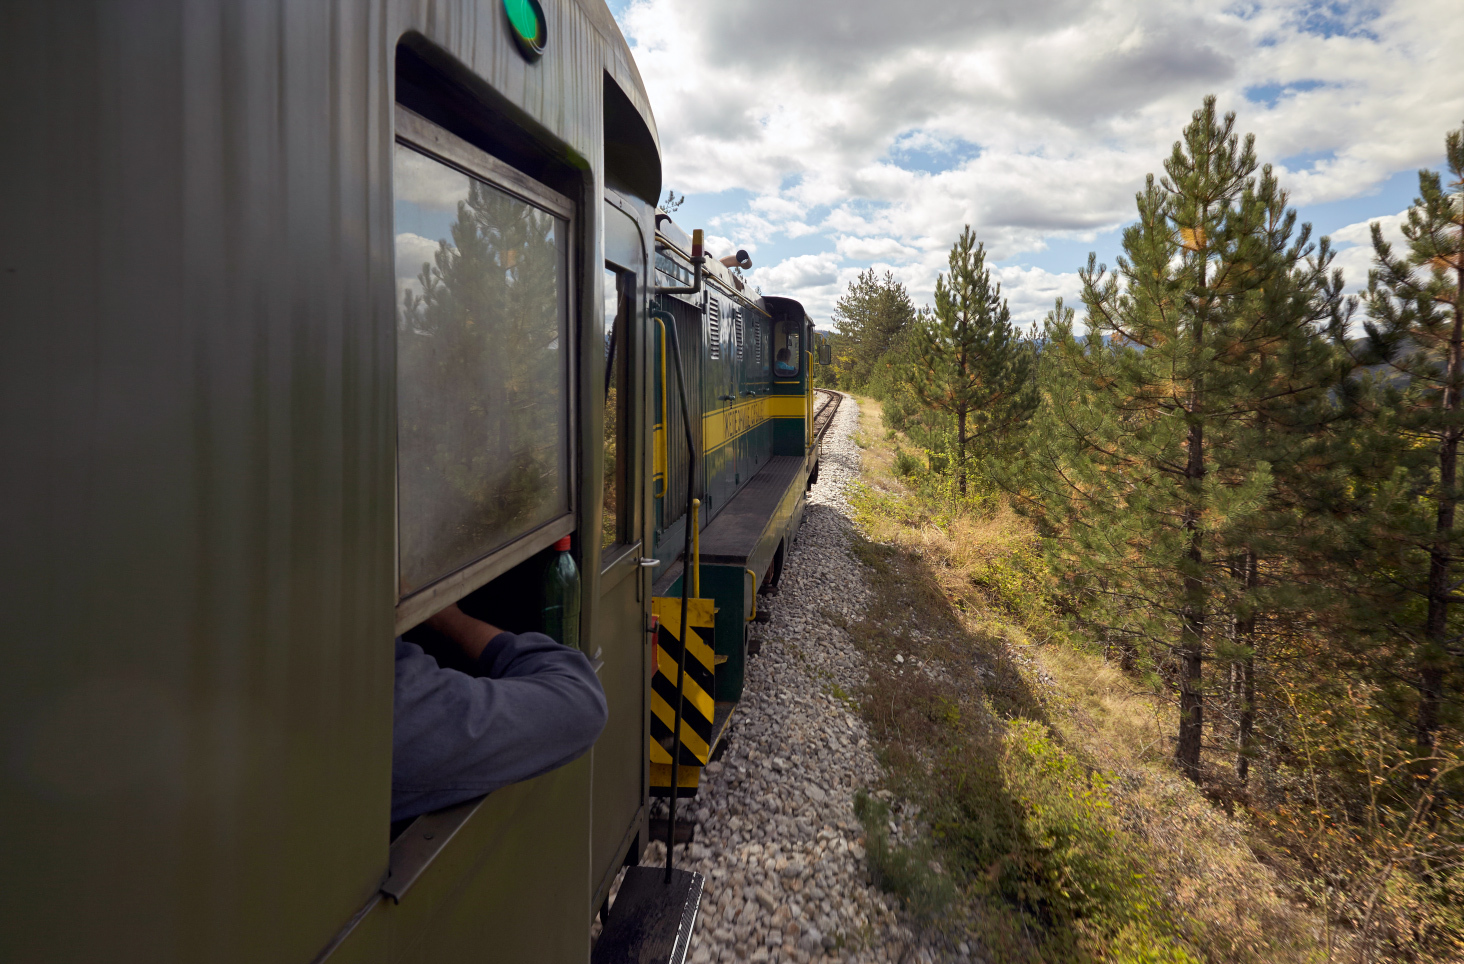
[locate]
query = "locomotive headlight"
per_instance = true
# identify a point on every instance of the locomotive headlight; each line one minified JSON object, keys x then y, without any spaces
{"x":526,"y":23}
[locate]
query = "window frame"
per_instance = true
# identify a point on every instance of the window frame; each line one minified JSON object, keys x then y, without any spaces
{"x":794,"y":327}
{"x":417,"y":133}
{"x":618,"y":561}
{"x":625,"y":498}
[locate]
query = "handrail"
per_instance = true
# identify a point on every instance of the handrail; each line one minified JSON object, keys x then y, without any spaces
{"x":698,"y":261}
{"x":696,"y":548}
{"x":691,"y":504}
{"x":664,"y":447}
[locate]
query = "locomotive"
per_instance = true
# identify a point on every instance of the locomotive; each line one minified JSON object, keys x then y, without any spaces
{"x":748,"y":363}
{"x":322,"y":317}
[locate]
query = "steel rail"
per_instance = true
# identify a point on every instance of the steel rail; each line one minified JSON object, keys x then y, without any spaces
{"x":822,"y":421}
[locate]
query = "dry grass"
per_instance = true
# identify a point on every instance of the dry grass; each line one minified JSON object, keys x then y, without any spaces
{"x":1236,"y":902}
{"x":1042,"y":770}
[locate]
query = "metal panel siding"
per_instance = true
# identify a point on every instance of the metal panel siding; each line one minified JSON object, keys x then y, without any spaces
{"x":197,"y":388}
{"x":197,"y":549}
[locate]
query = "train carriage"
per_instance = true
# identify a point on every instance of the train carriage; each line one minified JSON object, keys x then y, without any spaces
{"x":319,"y":318}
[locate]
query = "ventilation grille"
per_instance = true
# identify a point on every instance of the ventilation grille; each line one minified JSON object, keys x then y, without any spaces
{"x":737,"y":330}
{"x":714,"y":328}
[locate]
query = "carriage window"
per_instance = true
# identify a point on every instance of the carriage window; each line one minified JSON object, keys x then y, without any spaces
{"x":482,"y":368}
{"x":786,"y":350}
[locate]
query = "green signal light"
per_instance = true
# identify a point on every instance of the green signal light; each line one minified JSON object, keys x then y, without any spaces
{"x":526,"y":21}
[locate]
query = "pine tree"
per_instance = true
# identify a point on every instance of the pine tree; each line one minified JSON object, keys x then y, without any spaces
{"x":872,"y":317}
{"x":1416,"y":328}
{"x":968,"y":361}
{"x":1291,"y":397}
{"x":1151,"y":464}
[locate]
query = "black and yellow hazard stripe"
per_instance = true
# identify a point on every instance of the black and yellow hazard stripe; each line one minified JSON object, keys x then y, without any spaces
{"x":697,"y":707}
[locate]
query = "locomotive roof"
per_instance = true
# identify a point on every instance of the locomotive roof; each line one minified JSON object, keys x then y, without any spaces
{"x":673,"y":236}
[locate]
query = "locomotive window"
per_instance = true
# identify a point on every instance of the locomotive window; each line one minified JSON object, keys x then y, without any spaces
{"x":483,"y":370}
{"x":787,"y":355}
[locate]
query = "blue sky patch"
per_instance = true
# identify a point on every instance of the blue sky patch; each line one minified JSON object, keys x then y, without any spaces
{"x":1334,"y":18}
{"x":1271,"y":94}
{"x":1390,"y":197}
{"x":928,"y":155}
{"x":1066,"y":254}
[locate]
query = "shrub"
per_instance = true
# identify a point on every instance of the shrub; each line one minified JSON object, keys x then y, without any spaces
{"x":906,"y":464}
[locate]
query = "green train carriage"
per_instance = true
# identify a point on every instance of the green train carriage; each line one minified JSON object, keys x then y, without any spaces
{"x":240,"y":465}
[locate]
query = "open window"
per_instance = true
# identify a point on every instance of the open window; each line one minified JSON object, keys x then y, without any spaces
{"x":787,"y":348}
{"x":621,"y":334}
{"x":484,"y":406}
{"x":617,"y":506}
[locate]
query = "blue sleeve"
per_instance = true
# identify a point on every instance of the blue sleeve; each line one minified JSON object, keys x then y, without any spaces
{"x":534,"y":706}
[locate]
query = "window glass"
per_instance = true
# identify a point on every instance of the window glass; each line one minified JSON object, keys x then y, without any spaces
{"x":616,"y":421}
{"x":786,"y":352}
{"x":482,"y":368}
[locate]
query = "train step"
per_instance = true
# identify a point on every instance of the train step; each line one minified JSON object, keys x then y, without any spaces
{"x":652,"y":919}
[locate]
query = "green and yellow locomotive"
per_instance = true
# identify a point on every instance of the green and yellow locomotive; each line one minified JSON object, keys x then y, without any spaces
{"x":746,"y":360}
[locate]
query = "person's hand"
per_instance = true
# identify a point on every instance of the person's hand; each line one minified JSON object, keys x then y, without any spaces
{"x":471,"y":635}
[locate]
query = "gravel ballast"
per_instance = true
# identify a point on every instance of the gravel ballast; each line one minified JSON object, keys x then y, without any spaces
{"x":777,"y":838}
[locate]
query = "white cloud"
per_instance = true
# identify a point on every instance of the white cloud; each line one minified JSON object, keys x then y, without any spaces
{"x":425,"y":182}
{"x":883,"y":128}
{"x":718,"y":246}
{"x":1031,"y":292}
{"x":412,"y":251}
{"x":802,"y":272}
{"x":1354,"y":247}
{"x":874,"y":249}
{"x":1361,"y":232}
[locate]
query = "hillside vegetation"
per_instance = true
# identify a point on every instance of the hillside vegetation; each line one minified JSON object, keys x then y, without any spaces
{"x":1040,"y":774}
{"x":1166,"y":654}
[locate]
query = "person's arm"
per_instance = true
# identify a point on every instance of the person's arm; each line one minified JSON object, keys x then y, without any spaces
{"x":535,"y":705}
{"x":471,"y":635}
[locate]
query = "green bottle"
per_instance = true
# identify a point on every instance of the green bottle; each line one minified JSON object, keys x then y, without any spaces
{"x":562,"y":596}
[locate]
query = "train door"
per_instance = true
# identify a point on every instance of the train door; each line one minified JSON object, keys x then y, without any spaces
{"x":623,"y":585}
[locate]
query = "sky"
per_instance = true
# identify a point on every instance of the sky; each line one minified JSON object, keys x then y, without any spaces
{"x":831,"y":136}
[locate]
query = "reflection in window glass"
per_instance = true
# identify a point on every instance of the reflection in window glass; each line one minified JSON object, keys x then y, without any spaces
{"x":616,"y":394}
{"x":785,"y":349}
{"x":482,"y":370}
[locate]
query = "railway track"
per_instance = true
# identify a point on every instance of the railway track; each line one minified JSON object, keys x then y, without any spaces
{"x":824,"y":416}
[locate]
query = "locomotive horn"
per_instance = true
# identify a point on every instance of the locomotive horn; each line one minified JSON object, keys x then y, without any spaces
{"x":739,"y":260}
